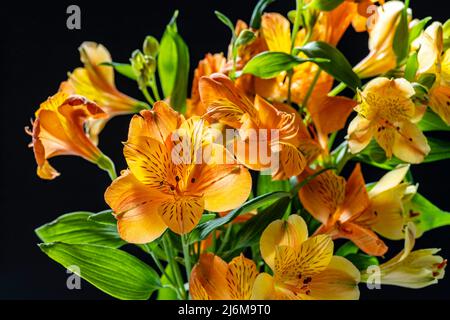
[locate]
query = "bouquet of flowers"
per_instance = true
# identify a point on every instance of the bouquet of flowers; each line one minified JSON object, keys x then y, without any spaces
{"x":236,"y":191}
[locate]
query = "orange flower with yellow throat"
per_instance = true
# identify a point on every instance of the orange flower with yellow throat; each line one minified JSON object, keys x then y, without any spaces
{"x":162,"y":190}
{"x":96,"y":82}
{"x":279,"y":130}
{"x":59,"y":130}
{"x":344,"y":209}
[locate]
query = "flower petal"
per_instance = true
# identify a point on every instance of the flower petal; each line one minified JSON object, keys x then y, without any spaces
{"x":410,"y":144}
{"x":322,"y":196}
{"x":339,"y":281}
{"x":276,"y":31}
{"x":264,"y":287}
{"x":356,"y":197}
{"x":289,"y":233}
{"x":208,"y":278}
{"x":240,"y":277}
{"x":360,"y":133}
{"x":390,"y":180}
{"x":135,"y":206}
{"x":183,"y":214}
{"x":330,"y":113}
{"x":364,"y":238}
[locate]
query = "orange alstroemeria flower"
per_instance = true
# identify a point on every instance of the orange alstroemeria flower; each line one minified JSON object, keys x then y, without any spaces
{"x":303,"y":268}
{"x":96,"y":82}
{"x":214,"y":279}
{"x":344,"y":209}
{"x":59,"y":130}
{"x":365,"y":9}
{"x":387,"y":113}
{"x":209,"y":65}
{"x":175,"y":173}
{"x":276,"y":30}
{"x":256,"y":123}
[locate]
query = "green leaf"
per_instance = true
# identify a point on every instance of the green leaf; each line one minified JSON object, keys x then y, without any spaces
{"x":206,"y":228}
{"x":104,"y":217}
{"x":427,"y":79}
{"x":75,"y":228}
{"x":266,"y":185}
{"x":225,"y":20}
{"x":167,"y":293}
{"x":113,"y":271}
{"x":411,"y":67}
{"x":335,"y":64}
{"x":401,"y":37}
{"x":362,"y":261}
{"x":269,"y":64}
{"x":124,"y":69}
{"x":346,"y":249}
{"x":173,"y":66}
{"x":426,"y":215}
{"x":255,"y":21}
{"x":325,"y":5}
{"x":415,"y":31}
{"x":252,"y":229}
{"x":432,"y":122}
{"x":245,"y":37}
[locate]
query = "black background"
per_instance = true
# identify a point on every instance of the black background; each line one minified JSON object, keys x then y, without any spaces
{"x":37,"y":50}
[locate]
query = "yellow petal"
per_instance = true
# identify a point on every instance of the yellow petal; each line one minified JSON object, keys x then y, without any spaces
{"x":410,"y":144}
{"x":360,"y":133}
{"x":440,"y":101}
{"x":315,"y":254}
{"x":389,"y":211}
{"x":240,"y":277}
{"x":92,"y":55}
{"x":291,"y":163}
{"x":135,"y":206}
{"x":264,"y":288}
{"x":390,"y":180}
{"x":277,"y":32}
{"x":282,"y":233}
{"x":339,"y":281}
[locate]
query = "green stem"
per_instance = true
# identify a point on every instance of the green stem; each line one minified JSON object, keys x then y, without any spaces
{"x":298,"y":18}
{"x":155,"y":89}
{"x":187,"y":256}
{"x":311,"y":89}
{"x":341,"y":164}
{"x":161,"y":268}
{"x":338,"y":89}
{"x":147,"y":95}
{"x":167,"y":243}
{"x":290,"y":74}
{"x":225,"y":238}
{"x":105,"y":163}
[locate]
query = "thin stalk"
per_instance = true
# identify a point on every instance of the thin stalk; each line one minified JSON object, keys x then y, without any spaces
{"x":147,"y":95}
{"x":290,"y":73}
{"x":225,"y":238}
{"x":161,"y":268}
{"x":298,"y":18}
{"x":311,"y":89}
{"x":187,"y":256}
{"x":338,"y":89}
{"x":174,"y":265}
{"x":155,"y":89}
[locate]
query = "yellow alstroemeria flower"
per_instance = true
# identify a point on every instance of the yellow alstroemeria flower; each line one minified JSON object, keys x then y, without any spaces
{"x":214,"y":279}
{"x":344,"y":209}
{"x":411,"y":269}
{"x":381,"y":58}
{"x":432,"y":59}
{"x":303,"y":268}
{"x":387,"y":113}
{"x":229,"y":105}
{"x":96,"y":82}
{"x":388,"y":199}
{"x":212,"y":63}
{"x":59,"y":130}
{"x":160,"y":189}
